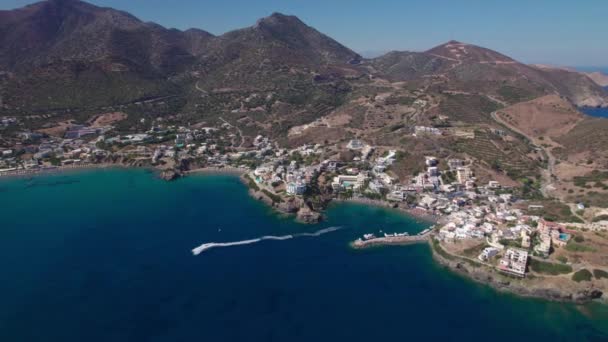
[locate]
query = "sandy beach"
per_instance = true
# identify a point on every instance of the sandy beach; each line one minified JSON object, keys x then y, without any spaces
{"x":417,"y":213}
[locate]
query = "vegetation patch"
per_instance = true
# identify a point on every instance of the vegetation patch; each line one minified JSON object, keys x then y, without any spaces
{"x":600,"y":218}
{"x":599,"y":274}
{"x":513,"y":94}
{"x":578,"y":247}
{"x":437,"y":248}
{"x":582,"y":275}
{"x":275,"y":198}
{"x":251,"y":183}
{"x":549,"y":267}
{"x":556,"y":211}
{"x":595,"y":177}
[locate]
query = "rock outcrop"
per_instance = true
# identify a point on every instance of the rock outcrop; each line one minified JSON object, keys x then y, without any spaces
{"x":170,"y":175}
{"x":306,"y":215}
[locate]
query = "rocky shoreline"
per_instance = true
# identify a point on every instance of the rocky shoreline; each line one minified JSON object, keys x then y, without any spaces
{"x":291,"y":206}
{"x":521,"y":287}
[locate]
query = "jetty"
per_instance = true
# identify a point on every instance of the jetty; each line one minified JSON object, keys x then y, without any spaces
{"x":395,"y":239}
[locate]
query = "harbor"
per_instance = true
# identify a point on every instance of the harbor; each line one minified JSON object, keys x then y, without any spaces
{"x":370,"y":240}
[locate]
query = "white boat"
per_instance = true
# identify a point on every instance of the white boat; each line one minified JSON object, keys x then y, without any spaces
{"x":368,"y":236}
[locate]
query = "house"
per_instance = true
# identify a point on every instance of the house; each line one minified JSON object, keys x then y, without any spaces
{"x":454,"y":164}
{"x":514,"y":262}
{"x":544,"y":247}
{"x":355,"y":144}
{"x":348,"y":182}
{"x":376,"y":186}
{"x":487,"y":253}
{"x":396,"y":196}
{"x":296,"y":188}
{"x":463,"y":174}
{"x":493,"y":185}
{"x":431,"y":161}
{"x":432,"y":171}
{"x":526,"y":241}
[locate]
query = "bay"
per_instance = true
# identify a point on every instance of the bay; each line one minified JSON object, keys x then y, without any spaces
{"x":105,"y":255}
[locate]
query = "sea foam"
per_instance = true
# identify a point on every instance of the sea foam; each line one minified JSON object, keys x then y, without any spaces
{"x":207,"y":246}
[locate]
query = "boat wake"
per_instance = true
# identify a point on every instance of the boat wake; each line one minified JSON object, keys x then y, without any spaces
{"x":207,"y":246}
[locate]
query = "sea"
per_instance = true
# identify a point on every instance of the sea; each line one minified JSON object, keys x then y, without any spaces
{"x":106,"y":255}
{"x":593,"y":111}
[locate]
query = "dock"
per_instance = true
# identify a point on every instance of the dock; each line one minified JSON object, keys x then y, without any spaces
{"x":393,"y":240}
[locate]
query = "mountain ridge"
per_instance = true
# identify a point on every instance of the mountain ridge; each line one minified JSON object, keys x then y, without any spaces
{"x":47,"y":45}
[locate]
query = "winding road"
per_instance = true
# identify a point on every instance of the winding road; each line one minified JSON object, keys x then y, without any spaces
{"x":547,"y":174}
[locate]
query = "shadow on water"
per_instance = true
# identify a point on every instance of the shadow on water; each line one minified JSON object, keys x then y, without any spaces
{"x":33,"y":183}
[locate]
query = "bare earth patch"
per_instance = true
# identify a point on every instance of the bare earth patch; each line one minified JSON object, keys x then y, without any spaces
{"x":107,"y":119}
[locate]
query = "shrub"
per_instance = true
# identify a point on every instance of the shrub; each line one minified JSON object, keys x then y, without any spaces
{"x":599,"y":274}
{"x":582,"y":275}
{"x":562,"y":259}
{"x":579,"y":238}
{"x":600,"y":218}
{"x":251,"y":183}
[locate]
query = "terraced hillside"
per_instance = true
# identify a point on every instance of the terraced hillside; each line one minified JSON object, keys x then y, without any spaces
{"x":511,"y":157}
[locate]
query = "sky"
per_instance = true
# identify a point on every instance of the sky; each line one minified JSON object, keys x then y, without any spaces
{"x":558,"y":32}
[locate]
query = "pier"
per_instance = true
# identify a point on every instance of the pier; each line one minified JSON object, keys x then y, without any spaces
{"x":393,"y":240}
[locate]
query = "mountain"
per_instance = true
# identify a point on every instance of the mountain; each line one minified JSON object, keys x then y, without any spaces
{"x":461,"y":67}
{"x":71,"y":30}
{"x":598,"y":77}
{"x":276,"y":45}
{"x":70,"y":54}
{"x":71,"y":59}
{"x":67,"y":56}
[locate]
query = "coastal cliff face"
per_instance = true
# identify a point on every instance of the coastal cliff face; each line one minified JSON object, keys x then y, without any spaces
{"x":583,"y":293}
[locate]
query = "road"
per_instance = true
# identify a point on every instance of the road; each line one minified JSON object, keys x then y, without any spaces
{"x":237,"y":128}
{"x":547,"y":174}
{"x":205,"y":93}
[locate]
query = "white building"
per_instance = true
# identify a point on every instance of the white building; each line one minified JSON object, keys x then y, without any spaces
{"x":296,"y":188}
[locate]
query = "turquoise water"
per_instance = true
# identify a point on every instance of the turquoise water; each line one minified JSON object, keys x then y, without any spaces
{"x":105,"y":255}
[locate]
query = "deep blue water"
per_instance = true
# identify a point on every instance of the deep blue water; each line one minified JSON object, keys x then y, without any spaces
{"x":105,"y":256}
{"x":597,"y":112}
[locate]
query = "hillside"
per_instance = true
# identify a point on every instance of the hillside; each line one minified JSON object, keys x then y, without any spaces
{"x":67,"y":59}
{"x":466,"y":68}
{"x":598,"y":77}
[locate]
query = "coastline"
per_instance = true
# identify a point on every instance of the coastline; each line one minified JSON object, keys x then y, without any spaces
{"x":467,"y":268}
{"x":60,"y":169}
{"x":227,"y":170}
{"x":22,"y":173}
{"x":415,"y":213}
{"x":481,"y":274}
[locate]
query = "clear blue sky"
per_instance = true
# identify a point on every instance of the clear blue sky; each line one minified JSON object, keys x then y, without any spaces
{"x":562,"y":32}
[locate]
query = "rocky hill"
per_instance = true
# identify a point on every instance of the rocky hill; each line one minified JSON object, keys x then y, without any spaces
{"x":598,"y":77}
{"x":460,"y":67}
{"x":70,"y":59}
